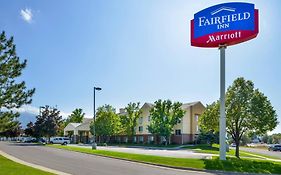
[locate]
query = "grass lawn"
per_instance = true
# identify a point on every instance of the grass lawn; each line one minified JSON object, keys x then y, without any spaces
{"x":231,"y":164}
{"x":8,"y":167}
{"x":215,"y":150}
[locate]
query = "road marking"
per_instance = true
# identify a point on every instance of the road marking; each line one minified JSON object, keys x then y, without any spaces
{"x":31,"y":164}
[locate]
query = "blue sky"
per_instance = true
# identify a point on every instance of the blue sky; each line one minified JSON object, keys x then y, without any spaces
{"x":136,"y":50}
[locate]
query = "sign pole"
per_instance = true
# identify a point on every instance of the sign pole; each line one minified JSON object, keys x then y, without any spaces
{"x":222,"y":103}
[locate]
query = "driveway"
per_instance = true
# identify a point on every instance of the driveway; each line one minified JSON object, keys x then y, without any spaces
{"x":148,"y":151}
{"x":83,"y":164}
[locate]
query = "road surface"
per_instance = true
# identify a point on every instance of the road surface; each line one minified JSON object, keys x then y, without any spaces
{"x":262,"y":151}
{"x":83,"y":164}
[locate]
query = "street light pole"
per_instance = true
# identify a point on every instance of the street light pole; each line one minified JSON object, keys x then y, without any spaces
{"x":94,"y":146}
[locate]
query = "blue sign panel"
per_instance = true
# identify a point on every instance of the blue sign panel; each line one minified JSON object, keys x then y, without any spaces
{"x":224,"y":17}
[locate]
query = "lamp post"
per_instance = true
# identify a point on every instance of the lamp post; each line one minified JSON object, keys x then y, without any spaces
{"x":94,"y":146}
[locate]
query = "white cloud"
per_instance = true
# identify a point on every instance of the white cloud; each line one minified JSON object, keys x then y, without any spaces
{"x":35,"y":111}
{"x":26,"y":15}
{"x":27,"y":109}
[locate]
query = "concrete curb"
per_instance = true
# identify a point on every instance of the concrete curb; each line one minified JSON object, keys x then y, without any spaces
{"x":31,"y":164}
{"x":167,"y":166}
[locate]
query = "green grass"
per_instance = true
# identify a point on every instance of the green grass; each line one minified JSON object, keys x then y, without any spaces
{"x":215,"y":150}
{"x":8,"y":167}
{"x":231,"y":164}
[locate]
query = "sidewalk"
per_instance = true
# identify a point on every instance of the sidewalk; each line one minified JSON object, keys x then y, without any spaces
{"x":174,"y":152}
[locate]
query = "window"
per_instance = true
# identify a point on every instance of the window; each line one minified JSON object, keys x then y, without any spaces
{"x":135,"y":139}
{"x":140,"y":138}
{"x":150,"y":138}
{"x":178,"y":132}
{"x":196,"y":118}
{"x":197,"y":128}
{"x":140,"y":120}
{"x":140,"y":128}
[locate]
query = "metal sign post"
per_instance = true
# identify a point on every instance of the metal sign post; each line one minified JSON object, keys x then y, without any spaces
{"x":222,"y":103}
{"x":230,"y":24}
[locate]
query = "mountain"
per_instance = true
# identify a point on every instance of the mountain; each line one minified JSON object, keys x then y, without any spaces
{"x":26,"y":117}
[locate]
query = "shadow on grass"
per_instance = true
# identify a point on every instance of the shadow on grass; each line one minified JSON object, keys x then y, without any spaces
{"x":240,"y":165}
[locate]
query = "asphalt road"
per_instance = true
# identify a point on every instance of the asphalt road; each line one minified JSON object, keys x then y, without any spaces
{"x":262,"y":151}
{"x":83,"y":164}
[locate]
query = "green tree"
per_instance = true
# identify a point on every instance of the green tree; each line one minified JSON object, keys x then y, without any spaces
{"x":76,"y":116}
{"x":29,"y":130}
{"x":12,"y":127}
{"x":107,"y":123}
{"x":164,"y":116}
{"x":276,"y":138}
{"x":265,"y":138}
{"x":247,"y":110}
{"x":129,"y":119}
{"x":208,"y":137}
{"x":13,"y":93}
{"x":48,"y":122}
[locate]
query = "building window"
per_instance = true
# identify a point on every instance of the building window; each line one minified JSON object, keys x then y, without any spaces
{"x":141,"y":139}
{"x":178,"y":132}
{"x":196,"y":117}
{"x":140,"y":120}
{"x":150,"y":139}
{"x":135,"y":139}
{"x":140,"y":128}
{"x":126,"y":139}
{"x":197,"y":128}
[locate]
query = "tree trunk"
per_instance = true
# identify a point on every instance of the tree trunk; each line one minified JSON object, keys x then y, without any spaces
{"x":237,"y":142}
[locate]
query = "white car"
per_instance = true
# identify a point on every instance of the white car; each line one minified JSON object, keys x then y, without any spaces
{"x":60,"y":140}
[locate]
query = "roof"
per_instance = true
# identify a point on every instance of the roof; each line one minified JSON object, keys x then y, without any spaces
{"x":75,"y":124}
{"x":85,"y":125}
{"x":187,"y":105}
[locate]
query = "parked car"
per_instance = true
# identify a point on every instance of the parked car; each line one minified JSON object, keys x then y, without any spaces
{"x":274,"y":148}
{"x":41,"y":140}
{"x":27,"y":139}
{"x":60,"y":140}
{"x":233,"y":145}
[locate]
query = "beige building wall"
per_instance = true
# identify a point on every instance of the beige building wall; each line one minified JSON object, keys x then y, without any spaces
{"x":188,"y":125}
{"x":143,"y":120}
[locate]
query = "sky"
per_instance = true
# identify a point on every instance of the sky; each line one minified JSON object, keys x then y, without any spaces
{"x":135,"y":50}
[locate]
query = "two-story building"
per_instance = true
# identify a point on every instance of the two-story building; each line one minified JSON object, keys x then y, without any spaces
{"x":185,"y":131}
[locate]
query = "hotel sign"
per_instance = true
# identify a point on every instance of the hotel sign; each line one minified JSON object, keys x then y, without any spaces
{"x":224,"y":24}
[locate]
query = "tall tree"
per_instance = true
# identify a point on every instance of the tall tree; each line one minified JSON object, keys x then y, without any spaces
{"x":13,"y":94}
{"x":12,"y":127}
{"x":29,"y":130}
{"x":107,"y":123}
{"x":130,"y":117}
{"x":276,"y":138}
{"x":247,"y":110}
{"x":76,"y":116}
{"x":48,"y":122}
{"x":164,"y":116}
